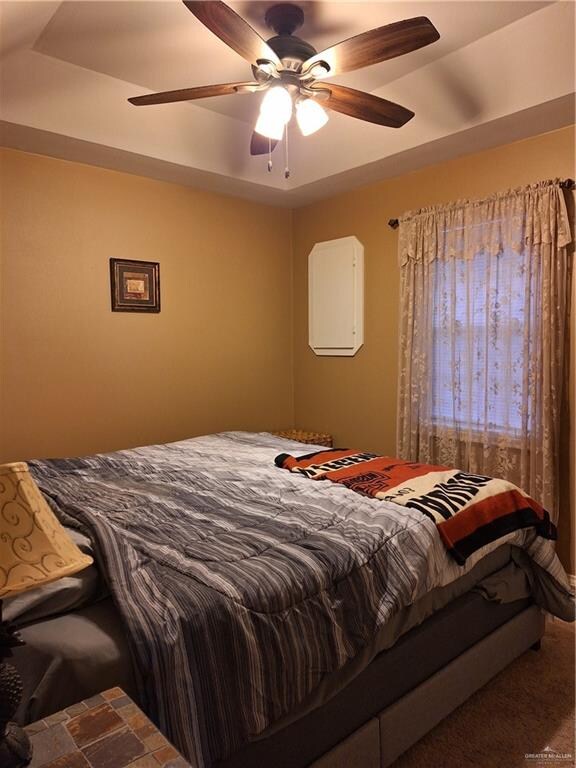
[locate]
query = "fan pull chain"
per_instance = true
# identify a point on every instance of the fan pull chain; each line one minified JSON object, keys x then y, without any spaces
{"x":269,"y":155}
{"x":286,"y":161}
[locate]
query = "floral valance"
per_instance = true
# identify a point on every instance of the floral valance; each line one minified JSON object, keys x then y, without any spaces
{"x":532,"y":215}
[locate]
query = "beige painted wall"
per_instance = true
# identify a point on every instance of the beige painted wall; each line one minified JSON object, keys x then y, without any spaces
{"x":355,"y":398}
{"x":78,"y":378}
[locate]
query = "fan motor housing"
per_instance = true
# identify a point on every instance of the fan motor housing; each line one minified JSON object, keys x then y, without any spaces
{"x":291,"y":50}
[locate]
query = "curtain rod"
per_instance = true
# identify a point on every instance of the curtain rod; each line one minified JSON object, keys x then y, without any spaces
{"x":565,"y":184}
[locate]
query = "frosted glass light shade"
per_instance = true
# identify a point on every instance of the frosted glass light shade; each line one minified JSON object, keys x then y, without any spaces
{"x":34,"y":548}
{"x":277,"y":103}
{"x":310,"y":116}
{"x":269,"y":126}
{"x":275,"y":112}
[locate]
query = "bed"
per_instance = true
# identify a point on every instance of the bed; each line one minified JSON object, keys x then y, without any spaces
{"x":262,"y":619}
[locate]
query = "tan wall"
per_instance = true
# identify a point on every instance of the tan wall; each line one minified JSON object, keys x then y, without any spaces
{"x":355,"y":398}
{"x":78,"y":378}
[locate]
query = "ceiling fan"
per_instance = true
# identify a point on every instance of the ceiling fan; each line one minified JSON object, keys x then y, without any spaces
{"x":292,"y":71}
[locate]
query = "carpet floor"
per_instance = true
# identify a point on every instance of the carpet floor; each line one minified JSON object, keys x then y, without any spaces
{"x":524,"y":710}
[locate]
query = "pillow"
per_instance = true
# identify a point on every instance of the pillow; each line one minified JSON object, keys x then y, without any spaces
{"x":62,"y":596}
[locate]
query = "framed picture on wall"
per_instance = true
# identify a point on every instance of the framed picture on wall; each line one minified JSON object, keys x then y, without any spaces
{"x":135,"y":285}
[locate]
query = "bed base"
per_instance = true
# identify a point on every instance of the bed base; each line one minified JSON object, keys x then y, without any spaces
{"x":385,"y":737}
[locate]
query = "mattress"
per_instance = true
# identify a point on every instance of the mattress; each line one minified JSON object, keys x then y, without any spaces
{"x":70,"y":657}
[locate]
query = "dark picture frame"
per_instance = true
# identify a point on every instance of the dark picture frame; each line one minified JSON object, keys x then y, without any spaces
{"x":134,"y":285}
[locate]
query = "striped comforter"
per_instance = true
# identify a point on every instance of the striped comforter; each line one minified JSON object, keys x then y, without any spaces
{"x":241,"y":585}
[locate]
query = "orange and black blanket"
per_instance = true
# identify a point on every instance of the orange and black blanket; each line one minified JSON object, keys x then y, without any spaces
{"x":469,"y":510}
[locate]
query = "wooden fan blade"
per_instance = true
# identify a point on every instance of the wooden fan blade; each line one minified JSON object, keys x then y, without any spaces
{"x":260,"y":145}
{"x":377,"y":45}
{"x":365,"y":106}
{"x":233,"y":30}
{"x":189,"y":94}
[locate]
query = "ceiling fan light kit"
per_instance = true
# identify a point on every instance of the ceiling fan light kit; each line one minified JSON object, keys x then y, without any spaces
{"x":287,"y":68}
{"x":276,"y":113}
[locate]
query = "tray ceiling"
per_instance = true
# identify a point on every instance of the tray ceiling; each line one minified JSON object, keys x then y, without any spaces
{"x":68,"y":68}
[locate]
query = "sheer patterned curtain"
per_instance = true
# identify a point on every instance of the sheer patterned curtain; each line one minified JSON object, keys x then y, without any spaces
{"x":482,"y":325}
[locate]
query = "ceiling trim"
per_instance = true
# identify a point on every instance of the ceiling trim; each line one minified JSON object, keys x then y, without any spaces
{"x":553,"y":115}
{"x":37,"y":141}
{"x":543,"y":118}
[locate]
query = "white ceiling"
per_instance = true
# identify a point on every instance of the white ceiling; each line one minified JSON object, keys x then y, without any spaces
{"x":501,"y":71}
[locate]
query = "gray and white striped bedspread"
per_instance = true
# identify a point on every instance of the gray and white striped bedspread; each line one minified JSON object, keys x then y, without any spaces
{"x":241,"y":585}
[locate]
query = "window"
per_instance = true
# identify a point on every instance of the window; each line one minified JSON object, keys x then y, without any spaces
{"x":478,"y":330}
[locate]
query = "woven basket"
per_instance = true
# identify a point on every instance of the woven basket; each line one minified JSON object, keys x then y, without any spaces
{"x":301,"y":436}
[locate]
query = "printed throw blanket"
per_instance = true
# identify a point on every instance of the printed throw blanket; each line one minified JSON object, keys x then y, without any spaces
{"x":469,"y":510}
